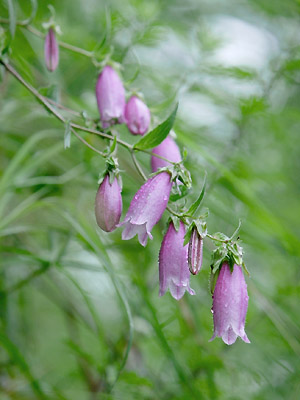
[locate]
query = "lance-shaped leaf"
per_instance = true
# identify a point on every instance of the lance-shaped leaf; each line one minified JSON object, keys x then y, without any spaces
{"x":157,"y":135}
{"x":194,"y":207}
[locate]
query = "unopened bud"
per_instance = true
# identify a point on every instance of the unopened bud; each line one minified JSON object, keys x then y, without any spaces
{"x":195,"y":252}
{"x":51,"y":50}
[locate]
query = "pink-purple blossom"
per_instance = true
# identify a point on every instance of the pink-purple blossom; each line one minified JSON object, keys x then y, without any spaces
{"x":110,"y":95}
{"x":137,"y":116}
{"x":174,"y":272}
{"x":230,"y":303}
{"x":167,"y":149}
{"x":147,"y":207}
{"x":51,"y":50}
{"x":108,"y":204}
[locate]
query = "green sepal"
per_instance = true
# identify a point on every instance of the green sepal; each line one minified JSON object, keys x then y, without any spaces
{"x":218,"y":257}
{"x":178,"y":192}
{"x":188,"y":234}
{"x":245,"y":269}
{"x":112,"y":169}
{"x":213,"y":280}
{"x":176,"y":222}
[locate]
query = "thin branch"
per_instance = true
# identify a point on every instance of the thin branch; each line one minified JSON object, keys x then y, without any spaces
{"x":137,"y":166}
{"x":36,"y":32}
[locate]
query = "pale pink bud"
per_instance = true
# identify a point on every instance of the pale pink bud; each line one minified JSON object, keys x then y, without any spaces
{"x":110,"y":95}
{"x":195,"y":252}
{"x":137,"y":116}
{"x":51,"y":50}
{"x":230,"y":303}
{"x":167,"y":149}
{"x":174,"y":272}
{"x":147,"y":207}
{"x":108,"y":204}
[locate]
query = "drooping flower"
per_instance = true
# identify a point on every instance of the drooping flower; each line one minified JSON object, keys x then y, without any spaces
{"x":174,"y":272}
{"x":108,"y":204}
{"x":137,"y":116}
{"x":147,"y":207}
{"x":195,"y":252}
{"x":51,"y":50}
{"x":110,"y":95}
{"x":230,"y":303}
{"x":167,"y":149}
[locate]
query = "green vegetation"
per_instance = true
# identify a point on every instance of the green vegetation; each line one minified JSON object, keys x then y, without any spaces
{"x":80,"y":316}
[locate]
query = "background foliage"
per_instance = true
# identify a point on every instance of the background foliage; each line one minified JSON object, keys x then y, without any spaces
{"x":71,"y":296}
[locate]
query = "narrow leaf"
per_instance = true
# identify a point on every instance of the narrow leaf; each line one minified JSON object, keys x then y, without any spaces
{"x":67,"y":138}
{"x":12,"y":17}
{"x":194,"y":207}
{"x":157,"y":135}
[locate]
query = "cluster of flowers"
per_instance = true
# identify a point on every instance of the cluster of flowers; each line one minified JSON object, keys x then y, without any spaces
{"x":178,"y":258}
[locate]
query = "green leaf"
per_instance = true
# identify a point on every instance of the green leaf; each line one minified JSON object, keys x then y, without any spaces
{"x":194,"y":207}
{"x":157,"y":135}
{"x":188,"y":234}
{"x":67,"y":137}
{"x":12,"y":17}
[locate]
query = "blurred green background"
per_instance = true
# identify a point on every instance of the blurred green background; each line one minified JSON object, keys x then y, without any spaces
{"x":73,"y":297}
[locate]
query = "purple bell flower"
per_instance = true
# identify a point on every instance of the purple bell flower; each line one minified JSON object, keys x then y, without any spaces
{"x":168,"y":149}
{"x":174,"y":272}
{"x":147,"y":207}
{"x":108,"y":204}
{"x":110,"y":95}
{"x":195,"y":252}
{"x":137,"y":116}
{"x":230,"y":303}
{"x":51,"y":50}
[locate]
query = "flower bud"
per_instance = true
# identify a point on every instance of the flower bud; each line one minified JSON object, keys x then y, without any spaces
{"x":108,"y":204}
{"x":137,"y":116}
{"x":174,"y":272}
{"x":167,"y":149}
{"x":51,"y":50}
{"x":230,"y":303}
{"x":147,"y":207}
{"x":110,"y":95}
{"x":195,"y":252}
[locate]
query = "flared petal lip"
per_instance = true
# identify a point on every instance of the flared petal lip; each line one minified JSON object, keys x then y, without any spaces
{"x":142,"y":237}
{"x":171,"y":282}
{"x":225,"y":337}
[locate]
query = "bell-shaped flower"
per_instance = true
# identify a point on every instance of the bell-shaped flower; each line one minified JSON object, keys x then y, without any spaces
{"x":174,"y":272}
{"x":108,"y":204}
{"x":137,"y":116}
{"x":147,"y":207}
{"x":110,"y":95}
{"x":51,"y":50}
{"x":167,"y":149}
{"x":230,"y":303}
{"x":195,"y":252}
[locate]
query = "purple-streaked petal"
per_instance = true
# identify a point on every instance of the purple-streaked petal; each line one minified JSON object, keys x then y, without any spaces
{"x":51,"y":51}
{"x":147,"y":207}
{"x":230,"y":303}
{"x":173,"y":267}
{"x":110,"y":95}
{"x":108,"y":204}
{"x":167,"y":149}
{"x":137,"y":116}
